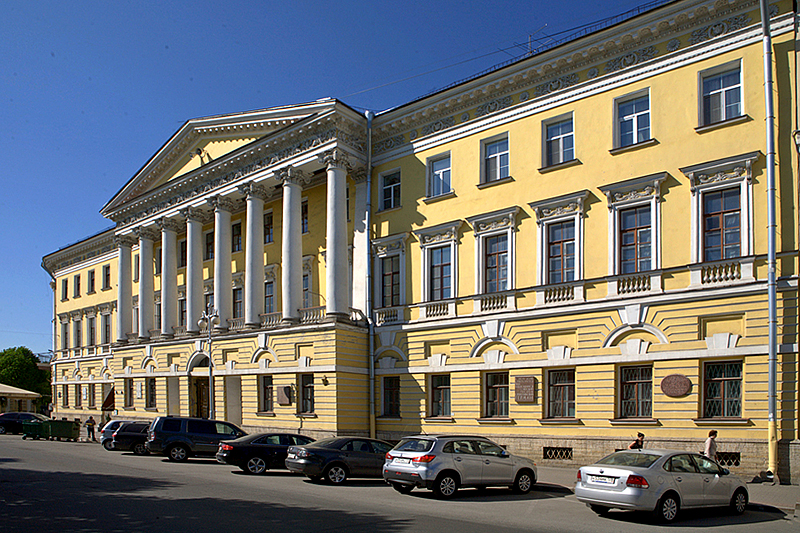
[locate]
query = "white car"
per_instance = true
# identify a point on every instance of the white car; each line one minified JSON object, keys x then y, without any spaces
{"x":661,"y":481}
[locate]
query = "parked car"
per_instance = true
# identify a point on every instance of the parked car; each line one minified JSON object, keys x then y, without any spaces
{"x":182,"y":437}
{"x":131,"y":436}
{"x":445,"y":463}
{"x":338,"y":458}
{"x":259,"y":452}
{"x":12,"y":422}
{"x":107,"y":433}
{"x":661,"y":481}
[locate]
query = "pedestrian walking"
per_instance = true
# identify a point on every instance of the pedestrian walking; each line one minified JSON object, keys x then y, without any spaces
{"x":638,"y":444}
{"x":90,"y":424}
{"x":710,"y":450}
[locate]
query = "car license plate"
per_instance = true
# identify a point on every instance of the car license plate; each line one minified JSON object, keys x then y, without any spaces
{"x":402,"y":460}
{"x":604,"y":480}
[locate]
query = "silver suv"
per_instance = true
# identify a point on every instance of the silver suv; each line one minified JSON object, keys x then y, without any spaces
{"x":444,"y":463}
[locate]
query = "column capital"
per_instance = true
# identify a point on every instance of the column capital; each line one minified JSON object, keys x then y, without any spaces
{"x":335,"y":158}
{"x":146,"y":233}
{"x":220,"y":203}
{"x":253,"y":189}
{"x":124,"y":241}
{"x":194,"y":213}
{"x":291,"y":175}
{"x":170,"y":224}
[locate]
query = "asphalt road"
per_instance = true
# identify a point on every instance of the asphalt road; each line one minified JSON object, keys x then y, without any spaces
{"x":58,"y":486}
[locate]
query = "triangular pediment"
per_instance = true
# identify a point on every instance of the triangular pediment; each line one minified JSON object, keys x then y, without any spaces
{"x":202,"y":141}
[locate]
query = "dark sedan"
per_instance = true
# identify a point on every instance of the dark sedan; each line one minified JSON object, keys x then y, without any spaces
{"x":339,"y":458}
{"x":131,"y":436}
{"x":255,"y":454}
{"x":12,"y":422}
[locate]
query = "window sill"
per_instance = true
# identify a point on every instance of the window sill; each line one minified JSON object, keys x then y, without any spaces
{"x":438,"y":197}
{"x":265,"y":413}
{"x":722,"y":421}
{"x":128,"y":408}
{"x":306,"y":415}
{"x":439,"y":419}
{"x":106,"y":289}
{"x":90,"y":292}
{"x":151,"y":409}
{"x":724,"y":123}
{"x":64,"y":299}
{"x":561,"y":421}
{"x":559,"y":166}
{"x":634,"y":422}
{"x":632,"y":147}
{"x":493,"y":420}
{"x":492,"y":183}
{"x":395,"y":208}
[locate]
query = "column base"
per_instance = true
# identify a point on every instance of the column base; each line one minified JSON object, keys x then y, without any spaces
{"x":143,"y":339}
{"x":251,"y":326}
{"x":167,"y":335}
{"x":336,"y":317}
{"x":290,"y":321}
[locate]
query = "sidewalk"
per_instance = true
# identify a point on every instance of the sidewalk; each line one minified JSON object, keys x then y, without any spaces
{"x":783,"y":497}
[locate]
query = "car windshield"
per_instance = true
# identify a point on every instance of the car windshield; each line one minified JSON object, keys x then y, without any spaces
{"x":414,"y":445}
{"x":641,"y":460}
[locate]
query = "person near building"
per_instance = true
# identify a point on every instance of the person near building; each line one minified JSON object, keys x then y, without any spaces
{"x":711,"y":445}
{"x":638,"y":444}
{"x":90,"y":424}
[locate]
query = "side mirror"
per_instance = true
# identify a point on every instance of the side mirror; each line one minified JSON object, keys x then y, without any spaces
{"x":504,"y":453}
{"x":724,"y":471}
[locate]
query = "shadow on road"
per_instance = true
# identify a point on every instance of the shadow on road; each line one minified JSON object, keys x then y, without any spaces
{"x":540,"y":491}
{"x":708,"y":517}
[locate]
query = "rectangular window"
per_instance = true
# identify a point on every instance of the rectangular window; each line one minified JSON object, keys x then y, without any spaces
{"x":91,"y":335}
{"x":561,"y":394}
{"x":390,"y":191}
{"x":635,"y":240}
{"x":150,"y":400}
{"x":440,"y":275}
{"x":157,"y":316}
{"x":78,"y":333}
{"x":266,"y":395}
{"x":182,"y":254}
{"x":65,"y":336}
{"x":497,"y":395}
{"x":78,"y":396}
{"x":64,"y":289}
{"x":128,"y":392}
{"x":76,"y":286}
{"x":495,"y":160}
{"x":136,"y":268}
{"x":92,"y":392}
{"x":391,"y":396}
{"x":561,"y":252}
{"x":236,"y":237}
{"x":440,"y":395}
{"x":90,"y":282}
{"x":721,"y":225}
{"x":182,"y":312}
{"x":634,"y":120}
{"x":208,"y":249}
{"x":269,"y":296}
{"x":268,"y":228}
{"x":560,"y":142}
{"x":391,"y":281}
{"x":496,"y":263}
{"x":306,"y":393}
{"x":636,"y":392}
{"x":304,"y":216}
{"x":238,"y":303}
{"x":306,"y":291}
{"x":64,"y":395}
{"x":106,"y":277}
{"x":106,"y":322}
{"x":209,"y":301}
{"x":722,"y":96}
{"x":439,"y":176}
{"x":722,"y":384}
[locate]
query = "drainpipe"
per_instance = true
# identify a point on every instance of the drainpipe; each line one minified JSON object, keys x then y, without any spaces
{"x":369,"y":312}
{"x":772,"y":427}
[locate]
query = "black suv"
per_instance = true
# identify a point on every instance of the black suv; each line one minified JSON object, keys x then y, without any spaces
{"x":12,"y":422}
{"x":181,"y":437}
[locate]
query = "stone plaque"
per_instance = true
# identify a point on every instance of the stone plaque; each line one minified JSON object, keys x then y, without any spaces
{"x":284,"y":395}
{"x":525,"y":389}
{"x":676,"y":385}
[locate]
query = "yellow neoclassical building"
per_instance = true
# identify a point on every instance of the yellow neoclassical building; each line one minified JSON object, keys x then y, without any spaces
{"x":559,"y":254}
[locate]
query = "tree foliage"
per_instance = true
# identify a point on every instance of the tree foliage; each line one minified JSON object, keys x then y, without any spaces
{"x":19,"y":368}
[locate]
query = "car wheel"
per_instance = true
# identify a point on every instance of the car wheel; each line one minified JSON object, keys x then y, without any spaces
{"x":667,"y":508}
{"x":739,"y":501}
{"x":140,"y":449}
{"x":256,"y":465}
{"x":2,"y":430}
{"x":178,"y":453}
{"x":524,"y":482}
{"x":402,"y":488}
{"x":601,"y":510}
{"x":336,"y":474}
{"x":446,"y":486}
{"x":108,"y":444}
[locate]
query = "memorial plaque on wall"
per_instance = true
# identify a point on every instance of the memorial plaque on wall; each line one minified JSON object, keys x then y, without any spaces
{"x":676,"y":385}
{"x":284,"y":395}
{"x":525,"y":389}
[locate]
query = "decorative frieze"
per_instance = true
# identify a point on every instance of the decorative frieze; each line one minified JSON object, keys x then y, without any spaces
{"x":631,"y":58}
{"x":556,"y":84}
{"x":719,"y":28}
{"x":439,"y":125}
{"x":388,"y":144}
{"x":494,"y":105}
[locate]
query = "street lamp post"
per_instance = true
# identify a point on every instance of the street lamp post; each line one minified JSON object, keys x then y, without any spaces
{"x":209,"y":319}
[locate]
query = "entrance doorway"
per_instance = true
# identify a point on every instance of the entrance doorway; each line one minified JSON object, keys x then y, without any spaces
{"x":199,"y":393}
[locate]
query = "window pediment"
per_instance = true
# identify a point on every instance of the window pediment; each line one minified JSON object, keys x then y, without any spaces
{"x":729,"y":170}
{"x":443,"y":233}
{"x":497,"y":220}
{"x":567,"y":205}
{"x":634,"y":190}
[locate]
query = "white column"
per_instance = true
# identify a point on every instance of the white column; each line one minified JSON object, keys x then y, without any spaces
{"x":146,"y":283}
{"x":124,"y":287}
{"x":169,"y":275}
{"x":223,"y":277}
{"x":194,"y":268}
{"x":254,"y":255}
{"x":361,"y":252}
{"x":337,"y":302}
{"x":292,"y":245}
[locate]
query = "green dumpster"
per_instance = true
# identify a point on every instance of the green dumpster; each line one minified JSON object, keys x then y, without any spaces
{"x":64,"y":429}
{"x":35,"y":430}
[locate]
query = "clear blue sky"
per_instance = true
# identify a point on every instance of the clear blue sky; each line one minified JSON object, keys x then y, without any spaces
{"x":89,"y":90}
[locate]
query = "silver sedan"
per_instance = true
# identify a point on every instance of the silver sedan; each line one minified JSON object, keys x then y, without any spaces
{"x":660,"y":481}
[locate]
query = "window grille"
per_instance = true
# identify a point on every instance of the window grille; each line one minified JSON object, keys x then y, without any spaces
{"x":550,"y":453}
{"x":729,"y":458}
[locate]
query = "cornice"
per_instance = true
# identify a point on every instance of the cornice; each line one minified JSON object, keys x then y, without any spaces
{"x":81,"y":251}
